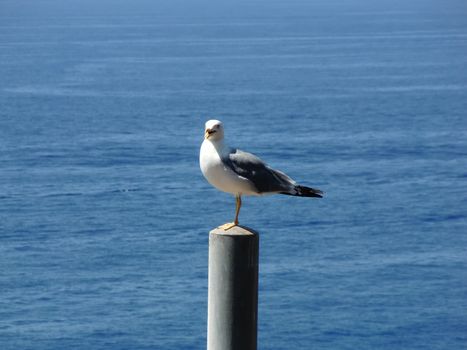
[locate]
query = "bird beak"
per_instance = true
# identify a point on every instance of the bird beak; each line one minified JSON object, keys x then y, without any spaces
{"x":207,"y":133}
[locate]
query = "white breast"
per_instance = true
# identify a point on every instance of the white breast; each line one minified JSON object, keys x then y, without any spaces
{"x":219,"y":175}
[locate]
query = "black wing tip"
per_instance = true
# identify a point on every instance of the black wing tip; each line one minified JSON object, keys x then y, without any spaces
{"x":304,"y":191}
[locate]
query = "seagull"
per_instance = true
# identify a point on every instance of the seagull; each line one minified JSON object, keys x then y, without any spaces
{"x":240,"y":173}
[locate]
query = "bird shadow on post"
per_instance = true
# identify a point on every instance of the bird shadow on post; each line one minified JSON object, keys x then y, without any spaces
{"x":233,"y":289}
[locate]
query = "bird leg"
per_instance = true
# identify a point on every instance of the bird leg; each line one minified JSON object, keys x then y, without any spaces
{"x":238,"y":204}
{"x":229,"y":225}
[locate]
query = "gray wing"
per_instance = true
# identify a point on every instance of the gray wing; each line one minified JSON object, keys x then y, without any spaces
{"x":264,"y":178}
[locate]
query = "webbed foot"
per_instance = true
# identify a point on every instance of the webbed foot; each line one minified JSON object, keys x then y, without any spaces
{"x":228,"y":226}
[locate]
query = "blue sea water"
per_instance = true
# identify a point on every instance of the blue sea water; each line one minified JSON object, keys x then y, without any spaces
{"x":104,"y":214}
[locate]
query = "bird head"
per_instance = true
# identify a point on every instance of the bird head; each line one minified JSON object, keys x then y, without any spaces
{"x":214,"y":130}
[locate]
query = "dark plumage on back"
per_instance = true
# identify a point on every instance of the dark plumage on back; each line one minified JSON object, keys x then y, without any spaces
{"x":263,"y":177}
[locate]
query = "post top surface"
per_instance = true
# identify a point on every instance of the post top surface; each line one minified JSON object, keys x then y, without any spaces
{"x":235,"y":231}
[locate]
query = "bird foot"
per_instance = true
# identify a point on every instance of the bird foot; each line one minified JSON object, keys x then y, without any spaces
{"x":228,"y":226}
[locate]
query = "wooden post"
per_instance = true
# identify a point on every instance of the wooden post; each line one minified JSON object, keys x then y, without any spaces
{"x":233,"y":289}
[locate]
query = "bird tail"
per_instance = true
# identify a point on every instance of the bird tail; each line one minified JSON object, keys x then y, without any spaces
{"x":303,"y":191}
